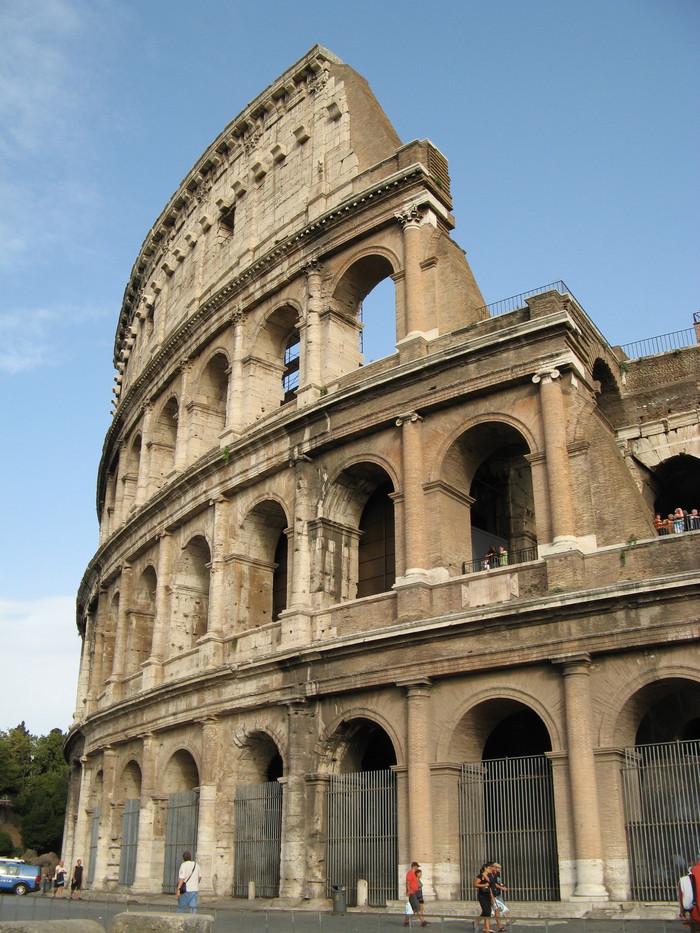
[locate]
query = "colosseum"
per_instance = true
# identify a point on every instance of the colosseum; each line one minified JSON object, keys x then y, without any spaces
{"x":345,"y":613}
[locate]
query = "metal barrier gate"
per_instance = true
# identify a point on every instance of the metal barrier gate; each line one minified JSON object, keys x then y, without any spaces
{"x":180,"y":834}
{"x":130,"y":840}
{"x":257,"y":839}
{"x":506,"y":813}
{"x":661,"y":789}
{"x":362,"y":835}
{"x":94,"y":839}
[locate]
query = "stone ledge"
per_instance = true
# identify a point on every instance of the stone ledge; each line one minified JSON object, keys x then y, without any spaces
{"x":137,"y":922}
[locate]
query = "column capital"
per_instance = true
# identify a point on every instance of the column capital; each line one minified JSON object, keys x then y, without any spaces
{"x":409,"y":216}
{"x":408,"y":417}
{"x":573,"y":663}
{"x":313,"y":267}
{"x":546,"y":375}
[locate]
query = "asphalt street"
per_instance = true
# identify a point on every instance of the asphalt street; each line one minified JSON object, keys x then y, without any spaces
{"x":233,"y":918}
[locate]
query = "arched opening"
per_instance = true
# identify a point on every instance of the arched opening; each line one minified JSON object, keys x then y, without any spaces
{"x":130,"y":477}
{"x":357,"y":539}
{"x":130,"y":787}
{"x":376,"y":571}
{"x":258,"y":818}
{"x":275,"y":366}
{"x":377,"y":315}
{"x":141,"y":618}
{"x":164,"y":442}
{"x":661,"y":785}
{"x":208,"y":415}
{"x":262,"y":578}
{"x":108,"y":640}
{"x":507,"y":798}
{"x":677,"y":482}
{"x":190,"y":596}
{"x":290,"y":375}
{"x":362,"y":812}
{"x":609,"y":399}
{"x":181,"y":784}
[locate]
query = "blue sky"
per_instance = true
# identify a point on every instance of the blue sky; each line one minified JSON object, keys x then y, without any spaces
{"x":572,"y":134}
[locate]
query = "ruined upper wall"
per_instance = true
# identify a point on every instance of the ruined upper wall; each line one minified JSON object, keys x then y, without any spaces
{"x":291,"y":155}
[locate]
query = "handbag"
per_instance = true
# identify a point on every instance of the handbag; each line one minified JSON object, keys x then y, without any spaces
{"x":498,"y":904}
{"x":183,"y":886}
{"x":409,"y":910}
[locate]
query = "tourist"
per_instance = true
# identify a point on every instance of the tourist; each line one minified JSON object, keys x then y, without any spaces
{"x":188,"y":878}
{"x":76,"y":885}
{"x":59,"y":879}
{"x":412,"y":891}
{"x":484,"y":895}
{"x":421,"y":902}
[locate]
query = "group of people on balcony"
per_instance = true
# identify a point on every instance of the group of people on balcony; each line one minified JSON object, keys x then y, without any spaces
{"x":495,"y":557}
{"x":677,"y":522}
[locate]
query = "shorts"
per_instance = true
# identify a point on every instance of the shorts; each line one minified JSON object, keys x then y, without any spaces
{"x":414,"y":902}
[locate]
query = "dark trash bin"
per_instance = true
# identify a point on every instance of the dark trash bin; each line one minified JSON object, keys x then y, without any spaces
{"x":340,"y":899}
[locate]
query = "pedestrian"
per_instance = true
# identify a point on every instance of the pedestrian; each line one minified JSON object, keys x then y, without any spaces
{"x":188,"y":879}
{"x":46,"y":882}
{"x":59,"y":879}
{"x":412,"y":891}
{"x":496,"y":889}
{"x":421,"y":902}
{"x":690,"y":914}
{"x":76,"y":885}
{"x":484,"y":896}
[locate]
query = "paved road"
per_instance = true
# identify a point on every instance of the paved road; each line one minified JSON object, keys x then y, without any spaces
{"x":240,"y":920}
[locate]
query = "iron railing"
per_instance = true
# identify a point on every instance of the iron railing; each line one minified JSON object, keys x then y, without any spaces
{"x":664,"y":343}
{"x":257,"y":839}
{"x":518,"y":301}
{"x":495,"y":563}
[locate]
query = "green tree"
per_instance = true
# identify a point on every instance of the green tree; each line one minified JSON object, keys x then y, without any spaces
{"x":7,"y":846}
{"x":42,"y":808}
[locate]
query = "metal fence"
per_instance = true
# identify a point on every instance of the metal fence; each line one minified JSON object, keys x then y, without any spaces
{"x":362,"y":835}
{"x":257,"y":839}
{"x":661,"y":344}
{"x":506,"y":810}
{"x":493,"y":563}
{"x":180,"y":834}
{"x":94,"y":839}
{"x":661,"y":788}
{"x":519,"y":301}
{"x":130,"y":840}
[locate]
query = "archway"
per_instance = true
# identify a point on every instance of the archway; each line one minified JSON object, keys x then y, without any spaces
{"x":258,"y":817}
{"x":362,"y":813}
{"x":507,"y":799}
{"x":208,"y":409}
{"x":661,"y":785}
{"x":190,"y":596}
{"x":129,"y":789}
{"x":677,"y":481}
{"x":262,"y":577}
{"x":181,"y":784}
{"x":141,"y":618}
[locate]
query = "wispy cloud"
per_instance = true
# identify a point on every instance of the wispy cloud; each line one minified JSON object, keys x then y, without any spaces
{"x":39,"y":663}
{"x":40,"y":337}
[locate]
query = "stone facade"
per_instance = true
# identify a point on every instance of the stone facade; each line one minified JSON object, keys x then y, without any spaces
{"x":288,"y":584}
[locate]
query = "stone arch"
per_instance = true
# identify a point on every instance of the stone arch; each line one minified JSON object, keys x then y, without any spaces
{"x":180,"y":773}
{"x":262,"y":577}
{"x":607,"y":388}
{"x":208,"y":406}
{"x":96,"y":788}
{"x":484,"y":493}
{"x":109,"y":637}
{"x":486,"y":713}
{"x":260,"y":759}
{"x":141,"y":620}
{"x":129,"y":783}
{"x":130,"y":476}
{"x":190,"y":596}
{"x":265,"y":366}
{"x":659,"y":705}
{"x":359,"y":739}
{"x":353,"y":327}
{"x":356,"y":538}
{"x":676,"y":484}
{"x":164,"y":441}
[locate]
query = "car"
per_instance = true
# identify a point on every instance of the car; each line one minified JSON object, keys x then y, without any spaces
{"x":18,"y":877}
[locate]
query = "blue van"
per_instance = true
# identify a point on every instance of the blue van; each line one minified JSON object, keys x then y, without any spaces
{"x":18,"y":877}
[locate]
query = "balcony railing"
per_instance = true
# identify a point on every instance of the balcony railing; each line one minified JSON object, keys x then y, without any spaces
{"x":518,"y":301}
{"x":498,"y":561}
{"x":662,"y":344}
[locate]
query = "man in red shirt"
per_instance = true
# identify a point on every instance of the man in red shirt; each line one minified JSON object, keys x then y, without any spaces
{"x":692,"y":916}
{"x":412,"y":889}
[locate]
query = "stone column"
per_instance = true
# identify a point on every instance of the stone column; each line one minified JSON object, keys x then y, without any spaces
{"x":311,"y":377}
{"x":143,"y":487}
{"x":420,"y":815}
{"x":206,"y":826}
{"x":235,"y":401}
{"x":588,"y":846}
{"x":410,"y":220}
{"x":294,"y":862}
{"x":212,"y":644}
{"x":83,"y":692}
{"x":182,"y":442}
{"x":153,"y":668}
{"x":103,"y":843}
{"x":121,"y":635}
{"x":80,"y":838}
{"x":97,"y":653}
{"x":558,"y":473}
{"x":107,"y":519}
{"x":414,"y":512}
{"x":145,"y":879}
